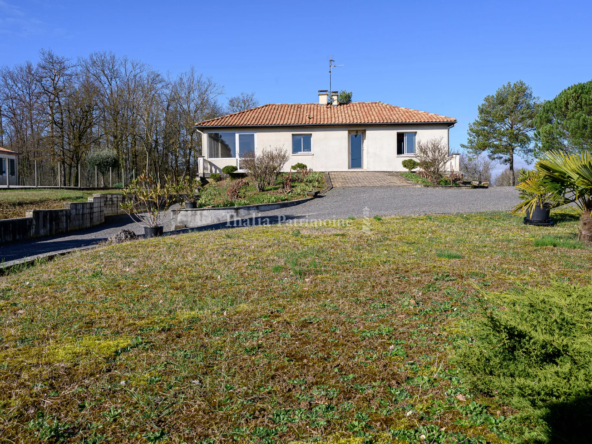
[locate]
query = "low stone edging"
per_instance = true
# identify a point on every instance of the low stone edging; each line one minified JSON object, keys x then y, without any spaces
{"x":328,"y":183}
{"x":197,"y":217}
{"x":74,"y":216}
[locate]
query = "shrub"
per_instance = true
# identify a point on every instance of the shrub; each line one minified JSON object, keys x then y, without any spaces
{"x":216,"y":177}
{"x":288,"y":183}
{"x":299,"y":166}
{"x":433,"y":157}
{"x":187,"y":189}
{"x":537,"y":351}
{"x":147,"y":200}
{"x":410,"y":164}
{"x":234,"y":190}
{"x":266,"y":167}
{"x":229,"y":169}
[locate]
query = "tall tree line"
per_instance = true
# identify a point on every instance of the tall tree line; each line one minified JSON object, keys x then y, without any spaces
{"x":58,"y":111}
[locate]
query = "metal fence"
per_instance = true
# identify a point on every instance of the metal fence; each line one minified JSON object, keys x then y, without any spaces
{"x":45,"y":174}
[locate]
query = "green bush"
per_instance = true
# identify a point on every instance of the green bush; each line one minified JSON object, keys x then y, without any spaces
{"x":299,"y":166}
{"x":537,"y":352}
{"x":103,"y":161}
{"x":216,"y":177}
{"x":229,"y":169}
{"x":410,"y":164}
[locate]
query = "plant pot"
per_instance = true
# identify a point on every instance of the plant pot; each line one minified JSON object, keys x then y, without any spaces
{"x":153,"y":232}
{"x":540,"y":216}
{"x":190,"y":205}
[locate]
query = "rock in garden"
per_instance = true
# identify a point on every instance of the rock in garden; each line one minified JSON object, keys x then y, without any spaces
{"x":122,"y":236}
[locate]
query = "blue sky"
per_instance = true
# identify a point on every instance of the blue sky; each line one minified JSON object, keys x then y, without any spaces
{"x":441,"y":57}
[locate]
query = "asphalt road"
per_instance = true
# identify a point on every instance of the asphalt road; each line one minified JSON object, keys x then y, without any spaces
{"x":339,"y":203}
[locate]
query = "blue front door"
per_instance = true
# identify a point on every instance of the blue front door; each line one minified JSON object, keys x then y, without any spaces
{"x":355,"y":150}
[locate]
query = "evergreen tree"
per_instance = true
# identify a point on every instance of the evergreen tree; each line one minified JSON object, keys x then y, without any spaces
{"x":565,"y":123}
{"x":505,"y":125}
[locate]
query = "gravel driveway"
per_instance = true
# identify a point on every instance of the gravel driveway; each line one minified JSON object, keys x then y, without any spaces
{"x":394,"y":201}
{"x":339,"y":203}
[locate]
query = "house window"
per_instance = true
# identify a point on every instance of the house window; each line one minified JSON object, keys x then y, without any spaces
{"x":246,"y":145}
{"x":230,"y":145}
{"x":12,"y":167}
{"x":405,"y":143}
{"x":221,"y":145}
{"x":2,"y":167}
{"x":301,"y":143}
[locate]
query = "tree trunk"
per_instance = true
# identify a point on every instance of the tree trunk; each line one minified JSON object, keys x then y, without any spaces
{"x":512,"y":167}
{"x":585,"y":234}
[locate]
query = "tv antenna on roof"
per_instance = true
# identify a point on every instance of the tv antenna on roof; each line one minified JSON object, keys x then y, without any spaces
{"x":331,"y":66}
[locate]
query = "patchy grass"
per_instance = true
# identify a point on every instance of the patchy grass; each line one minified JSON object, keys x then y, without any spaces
{"x":447,"y":254}
{"x":214,"y":194}
{"x":569,"y":241}
{"x":414,"y":177}
{"x":259,"y":335}
{"x":16,"y":202}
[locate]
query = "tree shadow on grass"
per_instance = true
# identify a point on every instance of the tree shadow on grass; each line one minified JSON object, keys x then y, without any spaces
{"x":563,"y":217}
{"x":570,"y":422}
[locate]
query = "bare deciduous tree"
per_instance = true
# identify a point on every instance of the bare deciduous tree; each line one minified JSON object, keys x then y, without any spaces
{"x":504,"y":179}
{"x":242,"y":102}
{"x":433,"y":156}
{"x":476,"y":168}
{"x":266,"y":166}
{"x":56,"y":112}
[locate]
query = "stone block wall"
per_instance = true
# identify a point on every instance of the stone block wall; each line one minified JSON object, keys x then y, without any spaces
{"x":111,"y":203}
{"x":74,"y":216}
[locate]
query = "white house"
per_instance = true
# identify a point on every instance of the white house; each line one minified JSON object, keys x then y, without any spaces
{"x":325,"y":136}
{"x":8,"y":167}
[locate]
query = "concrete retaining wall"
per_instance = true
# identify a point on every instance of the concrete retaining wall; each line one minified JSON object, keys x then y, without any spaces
{"x":198,"y":217}
{"x":74,"y":216}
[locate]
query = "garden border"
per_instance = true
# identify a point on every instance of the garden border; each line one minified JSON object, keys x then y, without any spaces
{"x":198,"y":217}
{"x":459,"y":187}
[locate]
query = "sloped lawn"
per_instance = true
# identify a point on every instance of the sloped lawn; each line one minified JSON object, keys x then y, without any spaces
{"x":269,"y":334}
{"x":16,"y":202}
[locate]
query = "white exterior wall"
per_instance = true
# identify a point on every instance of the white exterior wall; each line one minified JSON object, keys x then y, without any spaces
{"x":13,"y":180}
{"x":330,"y":146}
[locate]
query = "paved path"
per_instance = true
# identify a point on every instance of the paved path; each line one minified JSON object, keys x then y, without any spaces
{"x":367,"y":179}
{"x":339,"y":203}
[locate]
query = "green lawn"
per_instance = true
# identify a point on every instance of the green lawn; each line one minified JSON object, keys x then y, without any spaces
{"x":269,"y":334}
{"x":15,"y":202}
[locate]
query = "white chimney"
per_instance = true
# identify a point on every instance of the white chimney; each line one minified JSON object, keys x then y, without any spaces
{"x":334,"y":95}
{"x":323,"y":93}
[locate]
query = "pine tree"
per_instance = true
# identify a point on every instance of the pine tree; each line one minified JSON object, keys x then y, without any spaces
{"x":505,"y":125}
{"x":565,"y":123}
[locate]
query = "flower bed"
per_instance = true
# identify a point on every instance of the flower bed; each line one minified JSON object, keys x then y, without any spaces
{"x":216,"y":194}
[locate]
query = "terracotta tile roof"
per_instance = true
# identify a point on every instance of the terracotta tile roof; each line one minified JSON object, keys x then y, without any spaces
{"x":306,"y":114}
{"x":4,"y":150}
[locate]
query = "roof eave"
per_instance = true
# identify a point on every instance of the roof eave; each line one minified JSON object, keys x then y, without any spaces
{"x":450,"y":122}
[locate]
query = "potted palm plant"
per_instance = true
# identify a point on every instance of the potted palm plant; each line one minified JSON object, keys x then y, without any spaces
{"x":538,"y":197}
{"x":564,"y":179}
{"x":147,"y":201}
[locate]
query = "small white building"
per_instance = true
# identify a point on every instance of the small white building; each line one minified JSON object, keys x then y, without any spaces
{"x":325,"y":136}
{"x":8,"y":167}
